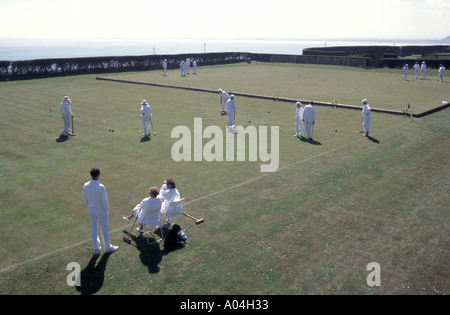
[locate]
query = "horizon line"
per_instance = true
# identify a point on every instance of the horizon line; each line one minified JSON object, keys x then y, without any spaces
{"x":350,"y":39}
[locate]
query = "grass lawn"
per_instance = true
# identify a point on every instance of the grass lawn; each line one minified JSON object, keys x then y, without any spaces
{"x":312,"y":227}
{"x":383,"y":88}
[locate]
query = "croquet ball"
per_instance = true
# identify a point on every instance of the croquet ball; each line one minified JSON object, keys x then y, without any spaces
{"x":335,"y":130}
{"x":269,"y":112}
{"x":182,"y":235}
{"x":112,"y":130}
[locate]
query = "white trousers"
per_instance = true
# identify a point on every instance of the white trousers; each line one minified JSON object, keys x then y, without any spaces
{"x":299,"y":127}
{"x":230,"y":118}
{"x":66,"y":131}
{"x":366,"y":125}
{"x":137,"y":212}
{"x":146,"y":125}
{"x":308,"y":126}
{"x":99,"y":217}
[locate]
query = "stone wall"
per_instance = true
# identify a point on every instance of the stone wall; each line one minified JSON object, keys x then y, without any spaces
{"x":31,"y":69}
{"x":363,"y":57}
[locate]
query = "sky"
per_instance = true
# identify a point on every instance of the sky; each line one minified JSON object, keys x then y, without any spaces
{"x":230,"y":19}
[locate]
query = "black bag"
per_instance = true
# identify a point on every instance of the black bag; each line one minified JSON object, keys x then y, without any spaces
{"x":175,"y":238}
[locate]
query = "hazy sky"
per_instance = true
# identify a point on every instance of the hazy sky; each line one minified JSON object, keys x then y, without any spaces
{"x":206,"y":19}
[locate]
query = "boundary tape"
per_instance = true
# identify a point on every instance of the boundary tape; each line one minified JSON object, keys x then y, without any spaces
{"x":284,"y":99}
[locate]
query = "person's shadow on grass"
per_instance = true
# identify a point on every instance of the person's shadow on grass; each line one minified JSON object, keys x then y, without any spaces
{"x":62,"y":138}
{"x":373,"y":140}
{"x":150,"y":254}
{"x":145,"y":139}
{"x":310,"y":141}
{"x":93,"y":276}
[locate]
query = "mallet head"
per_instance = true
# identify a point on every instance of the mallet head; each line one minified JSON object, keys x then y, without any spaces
{"x":199,"y":221}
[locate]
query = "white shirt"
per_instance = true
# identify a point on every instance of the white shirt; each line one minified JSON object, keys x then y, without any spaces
{"x":366,"y":111}
{"x":441,"y":70}
{"x":95,"y":196}
{"x":299,"y":113}
{"x":146,"y":111}
{"x":224,"y":96}
{"x":150,"y":208}
{"x":309,"y":113}
{"x":169,"y":195}
{"x":231,"y":105}
{"x":65,"y":108}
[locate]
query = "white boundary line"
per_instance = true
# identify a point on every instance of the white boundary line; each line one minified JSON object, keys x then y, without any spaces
{"x":201,"y":198}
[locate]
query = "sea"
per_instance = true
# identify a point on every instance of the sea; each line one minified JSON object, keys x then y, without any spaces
{"x":14,"y":49}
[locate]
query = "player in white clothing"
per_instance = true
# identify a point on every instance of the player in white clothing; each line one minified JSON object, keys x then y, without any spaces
{"x":366,"y":112}
{"x":182,"y":68}
{"x":67,"y":115}
{"x":405,"y":72}
{"x":441,"y":73}
{"x":187,"y":65}
{"x":299,"y":120}
{"x":423,"y":67}
{"x":416,"y":70}
{"x":231,"y":112}
{"x":169,"y":193}
{"x":96,"y":200}
{"x":164,"y":64}
{"x":148,"y":210}
{"x":146,"y":115}
{"x":223,"y":98}
{"x":309,"y":117}
{"x":194,"y":64}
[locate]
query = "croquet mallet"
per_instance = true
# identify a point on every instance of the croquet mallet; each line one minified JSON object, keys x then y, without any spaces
{"x":127,"y":239}
{"x":73,"y":131}
{"x":197,"y":221}
{"x":362,"y":122}
{"x":151,"y":123}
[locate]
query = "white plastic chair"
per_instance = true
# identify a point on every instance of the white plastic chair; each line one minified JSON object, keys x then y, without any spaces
{"x":152,"y":220}
{"x":176,"y":208}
